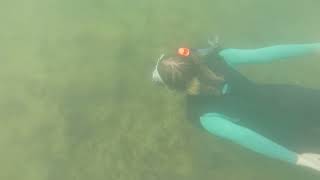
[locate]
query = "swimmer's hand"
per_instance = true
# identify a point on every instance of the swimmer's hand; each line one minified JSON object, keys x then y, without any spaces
{"x":214,"y":43}
{"x":309,"y":160}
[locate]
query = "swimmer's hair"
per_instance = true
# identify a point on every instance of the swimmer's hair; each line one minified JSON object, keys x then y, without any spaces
{"x":194,"y":87}
{"x":189,"y":75}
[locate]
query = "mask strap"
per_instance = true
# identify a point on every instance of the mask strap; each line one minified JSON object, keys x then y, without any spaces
{"x":155,"y":75}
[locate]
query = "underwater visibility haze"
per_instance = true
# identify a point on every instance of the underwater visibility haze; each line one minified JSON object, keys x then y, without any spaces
{"x":77,"y":100}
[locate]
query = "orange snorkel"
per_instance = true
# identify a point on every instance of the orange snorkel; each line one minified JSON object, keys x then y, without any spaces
{"x":184,"y":52}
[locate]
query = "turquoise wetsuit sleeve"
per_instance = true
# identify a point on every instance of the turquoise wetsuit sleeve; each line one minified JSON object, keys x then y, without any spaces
{"x":219,"y":125}
{"x":267,"y":54}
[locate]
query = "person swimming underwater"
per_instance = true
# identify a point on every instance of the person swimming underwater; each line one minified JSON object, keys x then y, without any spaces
{"x":229,"y":105}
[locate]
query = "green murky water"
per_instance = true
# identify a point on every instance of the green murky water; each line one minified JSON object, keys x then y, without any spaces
{"x":76,"y":100}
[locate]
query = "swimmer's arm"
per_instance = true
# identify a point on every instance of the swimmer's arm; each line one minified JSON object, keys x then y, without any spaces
{"x":267,"y":54}
{"x":219,"y":125}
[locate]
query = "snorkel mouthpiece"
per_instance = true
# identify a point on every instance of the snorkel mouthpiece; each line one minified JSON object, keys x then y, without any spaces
{"x":184,"y":52}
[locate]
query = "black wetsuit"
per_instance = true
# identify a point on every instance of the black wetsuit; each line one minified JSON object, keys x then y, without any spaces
{"x":286,"y":114}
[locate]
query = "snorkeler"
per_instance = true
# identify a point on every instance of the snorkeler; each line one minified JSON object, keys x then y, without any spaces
{"x":229,"y":105}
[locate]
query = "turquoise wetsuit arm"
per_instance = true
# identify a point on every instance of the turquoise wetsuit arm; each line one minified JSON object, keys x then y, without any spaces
{"x":219,"y":125}
{"x":267,"y":54}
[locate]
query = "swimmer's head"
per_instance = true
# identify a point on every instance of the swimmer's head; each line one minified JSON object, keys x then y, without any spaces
{"x":185,"y":73}
{"x":175,"y":72}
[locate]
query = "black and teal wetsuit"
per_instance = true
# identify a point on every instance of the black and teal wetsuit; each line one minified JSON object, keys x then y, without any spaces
{"x":278,"y":114}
